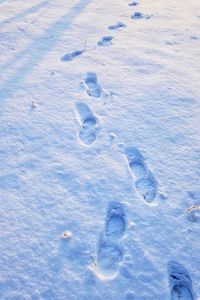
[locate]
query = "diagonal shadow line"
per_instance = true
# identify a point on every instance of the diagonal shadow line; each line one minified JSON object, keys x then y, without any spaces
{"x":50,"y":30}
{"x":40,"y":47}
{"x":2,"y":1}
{"x":16,"y":58}
{"x":30,"y":10}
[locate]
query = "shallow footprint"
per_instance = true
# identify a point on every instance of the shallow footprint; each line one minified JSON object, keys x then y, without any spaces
{"x":110,"y":252}
{"x":137,"y":15}
{"x":134,"y":3}
{"x":117,"y":26}
{"x":89,"y":123}
{"x":70,"y":56}
{"x":180,"y":282}
{"x":105,"y":41}
{"x":145,"y":183}
{"x":91,"y":84}
{"x":108,"y":257}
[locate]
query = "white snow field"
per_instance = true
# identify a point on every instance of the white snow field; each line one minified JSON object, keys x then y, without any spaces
{"x":100,"y":150}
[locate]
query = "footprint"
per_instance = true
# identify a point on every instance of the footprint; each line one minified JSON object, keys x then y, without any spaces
{"x":110,"y":252}
{"x":115,"y":222}
{"x":105,"y":41}
{"x":137,"y":15}
{"x":180,"y":282}
{"x":134,"y":3}
{"x":118,"y":25}
{"x":193,"y":213}
{"x":109,"y":257}
{"x":194,"y":38}
{"x":136,"y":162}
{"x":147,"y":188}
{"x":70,"y":56}
{"x":145,"y":183}
{"x":91,"y":85}
{"x":89,"y":124}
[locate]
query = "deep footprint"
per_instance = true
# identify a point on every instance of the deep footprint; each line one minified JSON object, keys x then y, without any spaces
{"x":88,"y":123}
{"x":180,"y":282}
{"x":92,"y":87}
{"x":70,"y":56}
{"x":117,"y":26}
{"x":115,"y":222}
{"x":136,"y":162}
{"x":110,"y":252}
{"x":145,"y":183}
{"x":147,"y":187}
{"x":105,"y":41}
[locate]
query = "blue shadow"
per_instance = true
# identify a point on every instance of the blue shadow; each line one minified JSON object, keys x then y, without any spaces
{"x":39,"y":47}
{"x":21,"y":15}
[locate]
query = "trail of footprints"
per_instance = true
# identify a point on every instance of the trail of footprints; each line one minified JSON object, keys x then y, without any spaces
{"x":110,"y":243}
{"x":105,"y":40}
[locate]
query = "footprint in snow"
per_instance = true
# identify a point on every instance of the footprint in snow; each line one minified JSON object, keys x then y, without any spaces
{"x":72,"y":55}
{"x":134,"y":3}
{"x":194,"y":38}
{"x":117,"y":26}
{"x":105,"y":41}
{"x":110,"y":252}
{"x":180,"y":282}
{"x":115,"y":222}
{"x":91,"y":85}
{"x":89,"y":123}
{"x":145,"y":183}
{"x":137,"y":15}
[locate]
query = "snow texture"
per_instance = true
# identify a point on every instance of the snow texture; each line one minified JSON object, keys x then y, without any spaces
{"x":100,"y":150}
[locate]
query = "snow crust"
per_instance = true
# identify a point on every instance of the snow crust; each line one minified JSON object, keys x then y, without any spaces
{"x":100,"y":149}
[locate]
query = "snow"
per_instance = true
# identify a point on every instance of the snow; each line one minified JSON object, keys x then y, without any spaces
{"x":99,"y":150}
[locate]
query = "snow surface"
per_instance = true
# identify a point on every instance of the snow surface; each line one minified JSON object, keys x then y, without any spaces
{"x":99,"y":149}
